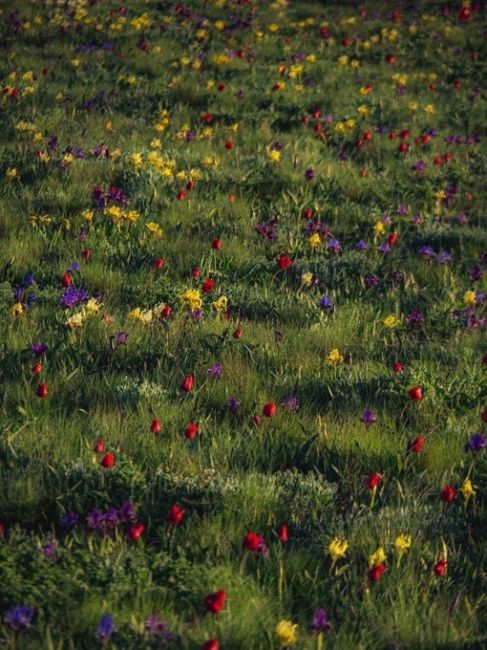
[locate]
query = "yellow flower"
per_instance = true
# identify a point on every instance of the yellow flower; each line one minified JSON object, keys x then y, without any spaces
{"x":467,"y":489}
{"x":190,"y":298}
{"x":75,"y":321}
{"x":413,"y":106}
{"x":219,"y":25}
{"x":306,"y":279}
{"x":343,"y":60}
{"x":337,"y":548}
{"x":17,"y":310}
{"x":363,"y":111}
{"x":75,"y":63}
{"x":377,"y":558}
{"x":12,"y":174}
{"x":391,"y":321}
{"x":286,"y":633}
{"x":403,"y":544}
{"x":136,"y":160}
{"x":470,"y":298}
{"x":429,"y":109}
{"x":274,"y":156}
{"x":314,"y":240}
{"x":379,"y":228}
{"x":334,"y":357}
{"x":142,"y":316}
{"x":92,"y":306}
{"x":221,"y":304}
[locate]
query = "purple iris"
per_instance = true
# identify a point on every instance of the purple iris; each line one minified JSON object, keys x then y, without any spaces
{"x":427,"y":252}
{"x":309,"y":174}
{"x":416,"y":317}
{"x":476,"y":443}
{"x":105,"y":630}
{"x":233,"y":404}
{"x":19,"y":617}
{"x":215,"y":372}
{"x":126,"y":512}
{"x":327,"y":303}
{"x":320,"y":622}
{"x":49,"y":550}
{"x":368,"y":417}
{"x":290,"y":403}
{"x":361,"y":245}
{"x":157,"y":628}
{"x":371,"y":280}
{"x":334,"y":246}
{"x":70,"y":521}
{"x":72,"y":297}
{"x":444,"y":257}
{"x":38,"y":349}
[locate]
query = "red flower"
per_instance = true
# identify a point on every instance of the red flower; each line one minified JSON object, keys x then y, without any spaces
{"x":42,"y":391}
{"x":269,"y":409}
{"x":464,"y":14}
{"x":108,"y":461}
{"x":256,"y":420}
{"x":403,"y":147}
{"x":66,"y":280}
{"x":440,"y":568}
{"x":392,"y":239}
{"x":448,"y":493}
{"x":36,"y":369}
{"x":99,"y":447}
{"x":136,"y":531}
{"x":191,"y":431}
{"x":284,"y":262}
{"x":155,"y":427}
{"x":238,"y":333}
{"x":158,"y":263}
{"x":166,"y":311}
{"x":229,"y":144}
{"x":207,"y":118}
{"x":283,"y":533}
{"x":231,"y":198}
{"x":415,"y":393}
{"x":416,"y":445}
{"x":375,"y":572}
{"x":195,"y":273}
{"x":308,"y":213}
{"x":207,"y":285}
{"x":216,"y":244}
{"x":397,"y":367}
{"x":214,"y":602}
{"x":221,"y":87}
{"x":181,"y":195}
{"x":86,"y":254}
{"x":373,"y":480}
{"x":212,"y":644}
{"x":253,"y":542}
{"x":176,"y":515}
{"x":187,"y":384}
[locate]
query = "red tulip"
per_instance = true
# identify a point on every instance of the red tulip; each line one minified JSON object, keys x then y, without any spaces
{"x":405,"y":133}
{"x":238,"y":333}
{"x":196,"y":272}
{"x":214,"y":602}
{"x":212,"y":644}
{"x":221,"y":87}
{"x":36,"y":369}
{"x":448,"y":493}
{"x":176,"y":515}
{"x":415,"y":394}
{"x":231,"y":198}
{"x":391,"y":59}
{"x":166,"y":311}
{"x":191,"y":431}
{"x":256,"y":420}
{"x":99,"y":447}
{"x":42,"y":391}
{"x":136,"y":531}
{"x":229,"y":144}
{"x":207,"y":118}
{"x":397,"y":367}
{"x":464,"y":14}
{"x":416,"y":445}
{"x":269,"y":409}
{"x":253,"y":542}
{"x":208,"y":285}
{"x":216,"y":244}
{"x":373,"y":481}
{"x":437,"y":160}
{"x":190,"y":186}
{"x":284,"y":262}
{"x":440,"y":568}
{"x":158,"y":263}
{"x":403,"y":147}
{"x":187,"y":384}
{"x":181,"y":195}
{"x":283,"y":533}
{"x":66,"y":280}
{"x":375,"y":572}
{"x":392,"y":239}
{"x":308,"y":213}
{"x":86,"y":254}
{"x":155,"y":427}
{"x":108,"y":461}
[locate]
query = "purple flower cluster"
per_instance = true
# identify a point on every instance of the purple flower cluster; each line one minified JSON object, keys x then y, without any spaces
{"x":100,"y":198}
{"x":105,"y":521}
{"x":72,"y":297}
{"x":19,"y":617}
{"x":268,"y":229}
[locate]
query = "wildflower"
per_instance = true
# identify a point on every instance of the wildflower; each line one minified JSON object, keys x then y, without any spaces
{"x":136,"y":531}
{"x":283,"y":533}
{"x":334,"y":246}
{"x":470,"y":298}
{"x":379,"y":228}
{"x":415,"y":394}
{"x":315,"y":241}
{"x":448,"y":493}
{"x":368,"y":417}
{"x":416,"y":445}
{"x":284,"y":262}
{"x":176,"y":515}
{"x":320,"y":622}
{"x":290,"y":403}
{"x":233,"y":404}
{"x":19,"y":617}
{"x":467,"y":489}
{"x":373,"y":481}
{"x":286,"y":633}
{"x":476,"y":443}
{"x":378,"y":557}
{"x":274,"y":156}
{"x":154,"y":229}
{"x":375,"y":572}
{"x":253,"y":543}
{"x":309,"y":174}
{"x":337,"y":549}
{"x":391,"y":321}
{"x":215,"y":371}
{"x":334,"y":357}
{"x":157,"y":628}
{"x":403,"y":544}
{"x":214,"y":602}
{"x":306,"y":279}
{"x":440,"y":568}
{"x":187,"y":384}
{"x":108,"y":461}
{"x":191,"y":298}
{"x":17,"y":310}
{"x":221,"y":304}
{"x":327,"y":304}
{"x":105,"y":630}
{"x":49,"y":550}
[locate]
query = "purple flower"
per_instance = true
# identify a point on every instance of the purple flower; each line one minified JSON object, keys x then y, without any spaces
{"x":290,"y":403}
{"x":268,"y":229}
{"x":28,"y":280}
{"x":361,"y":245}
{"x":126,"y":512}
{"x":371,"y":280}
{"x":49,"y":550}
{"x":19,"y":617}
{"x":72,"y":297}
{"x":155,"y":627}
{"x":233,"y":404}
{"x":384,"y":248}
{"x":38,"y":349}
{"x":105,"y":630}
{"x":320,"y":622}
{"x":462,"y":219}
{"x":112,"y":518}
{"x":476,"y":273}
{"x":69,"y":521}
{"x":334,"y":246}
{"x":402,"y":209}
{"x":196,"y":315}
{"x":476,"y":443}
{"x":215,"y":372}
{"x":419,"y":166}
{"x":309,"y":174}
{"x":416,"y":317}
{"x":96,"y":520}
{"x":368,"y":417}
{"x":74,"y":267}
{"x":417,"y":220}
{"x":427,"y":252}
{"x":444,"y":257}
{"x":120,"y":338}
{"x":327,"y":304}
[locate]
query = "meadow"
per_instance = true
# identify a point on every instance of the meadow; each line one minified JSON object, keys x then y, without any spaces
{"x":243,"y":349}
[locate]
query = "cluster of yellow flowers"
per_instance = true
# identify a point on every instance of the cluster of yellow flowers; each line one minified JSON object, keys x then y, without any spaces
{"x":91,"y":308}
{"x":120,"y":216}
